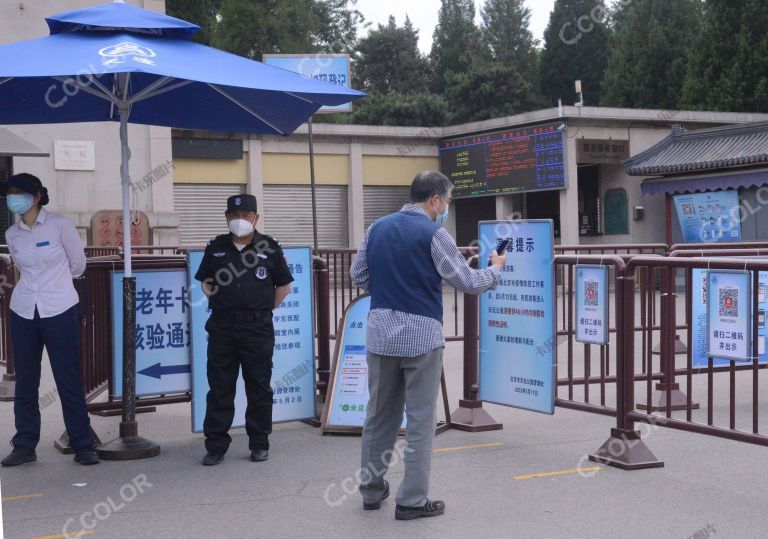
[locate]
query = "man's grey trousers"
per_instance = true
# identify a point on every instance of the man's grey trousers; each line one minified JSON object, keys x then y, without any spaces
{"x":394,"y":383}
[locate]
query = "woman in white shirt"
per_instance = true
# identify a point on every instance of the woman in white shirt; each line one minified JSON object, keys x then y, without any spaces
{"x":47,"y":250}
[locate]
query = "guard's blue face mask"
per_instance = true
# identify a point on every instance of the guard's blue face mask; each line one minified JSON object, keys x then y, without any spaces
{"x":20,"y":204}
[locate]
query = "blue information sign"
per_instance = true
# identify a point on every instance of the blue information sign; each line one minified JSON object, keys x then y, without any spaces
{"x":330,"y":68}
{"x":293,"y":373}
{"x":709,"y":217}
{"x":729,"y":307}
{"x":349,"y":382}
{"x":592,"y":304}
{"x":518,"y":342}
{"x":699,"y":335}
{"x":162,"y":332}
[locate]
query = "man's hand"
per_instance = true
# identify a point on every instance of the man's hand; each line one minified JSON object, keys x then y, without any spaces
{"x":498,"y":260}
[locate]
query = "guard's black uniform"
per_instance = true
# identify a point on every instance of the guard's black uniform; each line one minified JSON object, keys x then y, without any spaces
{"x":241,"y":333}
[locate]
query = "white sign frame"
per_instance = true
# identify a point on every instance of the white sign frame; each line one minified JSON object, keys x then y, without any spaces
{"x":76,"y":155}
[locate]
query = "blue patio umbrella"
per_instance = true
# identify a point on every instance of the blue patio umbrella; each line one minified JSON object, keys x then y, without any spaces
{"x":116,"y":62}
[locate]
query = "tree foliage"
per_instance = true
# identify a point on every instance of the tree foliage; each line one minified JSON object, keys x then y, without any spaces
{"x":456,"y":42}
{"x":252,"y":29}
{"x":728,"y":68}
{"x":651,"y":45}
{"x":576,"y":44}
{"x":388,"y":59}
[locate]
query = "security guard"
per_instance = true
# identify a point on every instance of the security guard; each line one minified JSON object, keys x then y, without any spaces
{"x":245,"y":276}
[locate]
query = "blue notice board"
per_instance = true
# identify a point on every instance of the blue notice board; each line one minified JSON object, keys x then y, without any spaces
{"x":162,"y":332}
{"x":348,"y":392}
{"x":330,"y":68}
{"x":293,"y":373}
{"x":518,"y":342}
{"x":699,"y":333}
{"x":729,"y":310}
{"x":709,"y":217}
{"x":592,"y":304}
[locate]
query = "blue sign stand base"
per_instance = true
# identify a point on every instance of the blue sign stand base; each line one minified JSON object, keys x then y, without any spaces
{"x":625,"y":450}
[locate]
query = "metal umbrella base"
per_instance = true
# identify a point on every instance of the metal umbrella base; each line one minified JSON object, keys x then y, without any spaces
{"x":129,"y":446}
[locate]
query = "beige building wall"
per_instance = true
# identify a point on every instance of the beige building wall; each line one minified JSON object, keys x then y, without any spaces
{"x":79,"y":195}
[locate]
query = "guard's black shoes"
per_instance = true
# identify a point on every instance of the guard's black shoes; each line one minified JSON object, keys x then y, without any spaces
{"x":212,"y":458}
{"x":86,"y":457}
{"x":432,"y":508}
{"x":19,"y":455}
{"x":377,"y":505}
{"x":259,"y":455}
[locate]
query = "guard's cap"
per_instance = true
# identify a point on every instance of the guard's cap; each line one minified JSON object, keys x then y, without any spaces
{"x":241,"y":203}
{"x":25,"y":182}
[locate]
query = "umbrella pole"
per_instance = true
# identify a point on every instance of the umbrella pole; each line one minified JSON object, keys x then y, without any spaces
{"x":313,"y":184}
{"x":129,"y":445}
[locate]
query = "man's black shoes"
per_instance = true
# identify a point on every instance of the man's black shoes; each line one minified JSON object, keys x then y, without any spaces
{"x":212,"y":458}
{"x":19,"y":455}
{"x":86,"y":457}
{"x":432,"y":508}
{"x":377,"y":505}
{"x":259,"y":455}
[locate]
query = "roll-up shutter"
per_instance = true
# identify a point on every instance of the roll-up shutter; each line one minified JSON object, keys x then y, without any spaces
{"x":382,"y":200}
{"x":201,"y":207}
{"x":288,"y":215}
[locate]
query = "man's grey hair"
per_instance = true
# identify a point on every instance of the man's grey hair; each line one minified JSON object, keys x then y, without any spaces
{"x":429,"y":183}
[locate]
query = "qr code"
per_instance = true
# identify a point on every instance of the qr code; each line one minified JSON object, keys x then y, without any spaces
{"x":591,"y":297}
{"x":687,"y":209}
{"x":704,"y":291}
{"x":728,"y":302}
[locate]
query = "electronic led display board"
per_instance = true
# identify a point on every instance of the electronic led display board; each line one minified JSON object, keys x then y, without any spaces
{"x":510,"y":161}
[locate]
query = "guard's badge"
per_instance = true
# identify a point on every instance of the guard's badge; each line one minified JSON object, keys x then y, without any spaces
{"x":238,"y":201}
{"x":222,"y":253}
{"x":261,"y":272}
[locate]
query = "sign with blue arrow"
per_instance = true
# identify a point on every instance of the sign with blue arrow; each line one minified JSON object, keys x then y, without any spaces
{"x":163,"y":364}
{"x":158,"y":371}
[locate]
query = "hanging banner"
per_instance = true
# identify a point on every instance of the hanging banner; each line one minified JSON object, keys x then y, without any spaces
{"x":592,"y":304}
{"x":518,"y":341}
{"x":293,"y":373}
{"x":729,"y":306}
{"x":348,"y":391}
{"x":162,"y":333}
{"x":709,"y":217}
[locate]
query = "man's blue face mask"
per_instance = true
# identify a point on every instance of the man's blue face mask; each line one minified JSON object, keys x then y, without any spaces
{"x":442,"y":217}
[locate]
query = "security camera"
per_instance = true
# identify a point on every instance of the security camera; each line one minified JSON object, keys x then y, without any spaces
{"x":562,"y":127}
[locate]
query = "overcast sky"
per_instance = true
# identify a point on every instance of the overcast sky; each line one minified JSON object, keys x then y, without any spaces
{"x":423,"y":14}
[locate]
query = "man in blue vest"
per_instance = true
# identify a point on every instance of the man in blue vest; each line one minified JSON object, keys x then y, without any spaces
{"x":402,"y":262}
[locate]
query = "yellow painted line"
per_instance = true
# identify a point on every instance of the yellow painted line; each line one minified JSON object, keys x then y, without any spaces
{"x":459,"y":448}
{"x":66,"y":535}
{"x":25,"y":497}
{"x":563,"y":472}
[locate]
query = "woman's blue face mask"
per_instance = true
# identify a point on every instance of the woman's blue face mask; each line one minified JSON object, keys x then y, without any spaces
{"x":20,"y":204}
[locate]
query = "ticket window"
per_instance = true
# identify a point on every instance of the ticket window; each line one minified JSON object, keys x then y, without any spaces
{"x":589,"y":201}
{"x":469,"y":212}
{"x":544,"y":205}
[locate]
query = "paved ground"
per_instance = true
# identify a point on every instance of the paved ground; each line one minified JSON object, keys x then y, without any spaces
{"x":486,"y":480}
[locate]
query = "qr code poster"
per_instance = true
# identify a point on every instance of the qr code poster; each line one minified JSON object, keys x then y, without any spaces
{"x":728,"y":301}
{"x":730,"y":315}
{"x":592,"y":322}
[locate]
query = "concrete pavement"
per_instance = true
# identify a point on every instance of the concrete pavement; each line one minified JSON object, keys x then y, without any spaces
{"x":518,"y":482}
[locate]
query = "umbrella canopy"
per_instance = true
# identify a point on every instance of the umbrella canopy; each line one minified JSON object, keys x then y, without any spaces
{"x":97,"y":58}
